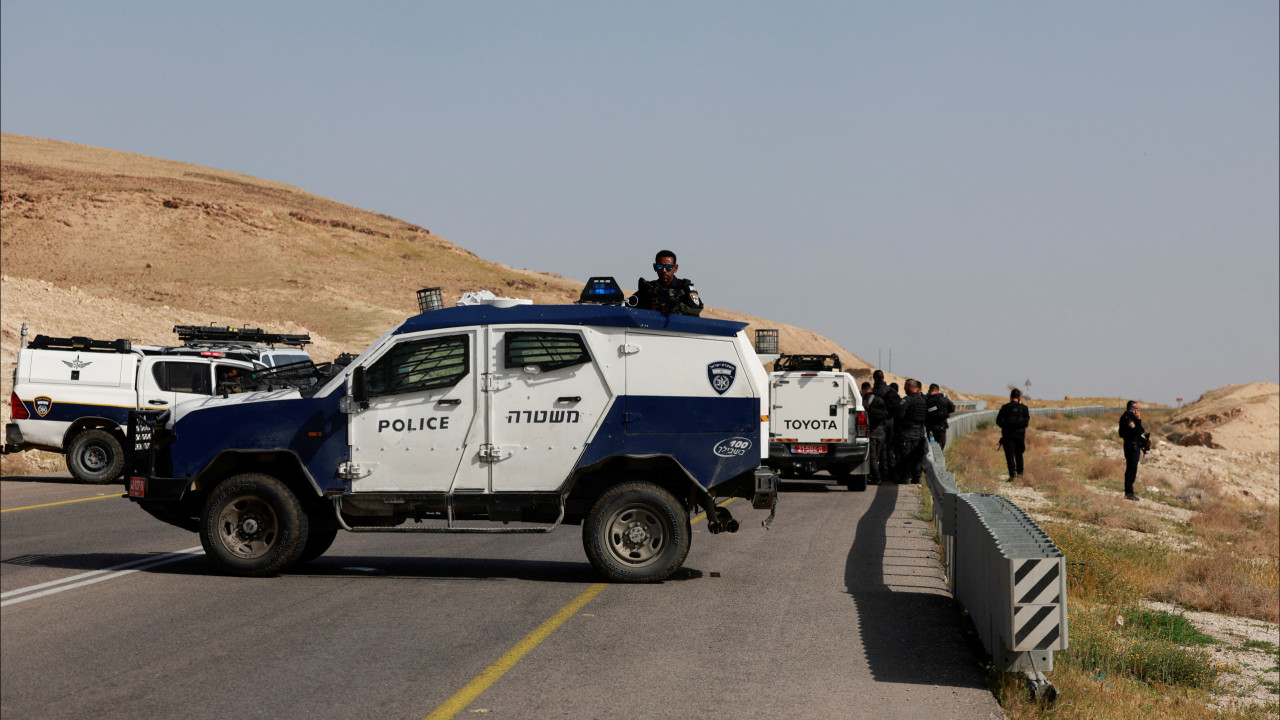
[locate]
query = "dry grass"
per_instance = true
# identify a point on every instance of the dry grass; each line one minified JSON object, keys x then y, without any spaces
{"x":1231,"y":566}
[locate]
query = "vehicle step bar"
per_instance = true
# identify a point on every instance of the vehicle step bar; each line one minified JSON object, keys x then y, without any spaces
{"x":449,"y":527}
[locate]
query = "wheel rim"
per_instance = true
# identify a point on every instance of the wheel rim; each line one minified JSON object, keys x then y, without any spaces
{"x":248,"y":527}
{"x":94,"y":457}
{"x":636,"y":534}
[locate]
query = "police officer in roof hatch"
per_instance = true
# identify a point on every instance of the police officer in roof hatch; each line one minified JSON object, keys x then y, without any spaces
{"x":668,"y":293}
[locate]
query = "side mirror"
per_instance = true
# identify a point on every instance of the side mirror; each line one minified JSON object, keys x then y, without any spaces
{"x":359,"y":397}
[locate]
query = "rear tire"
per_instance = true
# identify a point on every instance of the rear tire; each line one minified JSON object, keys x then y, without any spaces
{"x":856,"y":483}
{"x":253,"y":525}
{"x":636,"y":532}
{"x":95,"y":456}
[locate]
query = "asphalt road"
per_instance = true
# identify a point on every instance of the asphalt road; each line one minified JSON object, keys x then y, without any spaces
{"x":838,"y":611}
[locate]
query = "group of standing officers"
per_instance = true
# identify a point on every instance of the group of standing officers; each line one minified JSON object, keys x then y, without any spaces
{"x":901,"y":426}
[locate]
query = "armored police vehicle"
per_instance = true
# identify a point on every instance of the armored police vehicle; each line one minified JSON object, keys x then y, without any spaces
{"x":625,"y":421}
{"x":816,"y":420}
{"x":74,"y":395}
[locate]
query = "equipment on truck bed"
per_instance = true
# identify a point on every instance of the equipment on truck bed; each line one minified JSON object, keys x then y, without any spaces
{"x":808,"y":362}
{"x":191,"y":335}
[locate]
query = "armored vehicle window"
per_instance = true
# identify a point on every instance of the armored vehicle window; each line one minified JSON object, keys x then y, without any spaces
{"x":420,"y":365}
{"x":185,"y":377}
{"x":545,"y":350}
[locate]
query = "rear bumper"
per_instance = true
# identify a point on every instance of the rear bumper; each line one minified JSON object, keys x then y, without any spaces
{"x":149,"y":490}
{"x":849,"y":454}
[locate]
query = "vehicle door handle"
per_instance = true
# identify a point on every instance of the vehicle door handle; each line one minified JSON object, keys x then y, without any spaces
{"x":450,"y":401}
{"x":158,"y":402}
{"x":570,"y":398}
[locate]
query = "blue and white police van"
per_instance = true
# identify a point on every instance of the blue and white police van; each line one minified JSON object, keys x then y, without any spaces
{"x":625,"y":421}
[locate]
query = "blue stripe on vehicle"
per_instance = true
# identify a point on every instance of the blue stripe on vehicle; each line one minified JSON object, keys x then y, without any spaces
{"x":70,"y":412}
{"x":669,"y":434}
{"x":595,"y":315}
{"x":285,"y":424}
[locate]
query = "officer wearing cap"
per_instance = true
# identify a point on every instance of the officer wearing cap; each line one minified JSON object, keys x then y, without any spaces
{"x":668,"y":293}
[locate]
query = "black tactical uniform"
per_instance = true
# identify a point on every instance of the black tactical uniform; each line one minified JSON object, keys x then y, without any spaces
{"x":1134,"y":436}
{"x":876,"y":415}
{"x":940,"y":408}
{"x":888,"y":464}
{"x":1013,"y":419}
{"x":912,"y":413}
{"x":678,"y":297}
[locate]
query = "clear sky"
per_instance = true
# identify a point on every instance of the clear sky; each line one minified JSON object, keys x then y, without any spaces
{"x":1085,"y":195}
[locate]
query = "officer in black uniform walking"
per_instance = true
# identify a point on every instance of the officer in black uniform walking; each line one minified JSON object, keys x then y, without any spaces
{"x":1136,"y":441}
{"x":912,"y":414}
{"x":668,"y":293}
{"x":1013,"y":419}
{"x":940,"y":408}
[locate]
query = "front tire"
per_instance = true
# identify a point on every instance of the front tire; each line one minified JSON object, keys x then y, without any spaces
{"x":319,"y":539}
{"x":637,"y":532}
{"x":95,"y":456}
{"x":253,"y":526}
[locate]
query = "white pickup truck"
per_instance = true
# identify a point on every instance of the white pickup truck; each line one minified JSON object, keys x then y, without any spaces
{"x":816,"y":420}
{"x":73,"y":395}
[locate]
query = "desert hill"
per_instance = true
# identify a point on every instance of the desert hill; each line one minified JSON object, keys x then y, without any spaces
{"x":1243,"y":417}
{"x":112,"y":244}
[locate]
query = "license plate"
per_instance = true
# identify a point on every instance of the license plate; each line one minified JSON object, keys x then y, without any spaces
{"x":809,"y":449}
{"x":137,"y":487}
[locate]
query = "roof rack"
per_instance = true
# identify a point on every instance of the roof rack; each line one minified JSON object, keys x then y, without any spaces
{"x":207,"y":334}
{"x":808,"y":362}
{"x":47,"y":342}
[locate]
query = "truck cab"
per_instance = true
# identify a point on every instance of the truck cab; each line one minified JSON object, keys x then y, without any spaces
{"x":624,"y":421}
{"x":816,"y":420}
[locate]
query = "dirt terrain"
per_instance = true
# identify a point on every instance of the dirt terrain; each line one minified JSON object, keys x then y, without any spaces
{"x":1243,"y":418}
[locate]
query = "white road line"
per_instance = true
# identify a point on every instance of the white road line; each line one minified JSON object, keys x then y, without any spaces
{"x":94,"y":576}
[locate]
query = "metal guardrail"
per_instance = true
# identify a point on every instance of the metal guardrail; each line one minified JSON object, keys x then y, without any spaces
{"x":1002,"y":567}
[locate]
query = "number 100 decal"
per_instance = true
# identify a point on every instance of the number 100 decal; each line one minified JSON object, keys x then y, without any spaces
{"x":733,"y":447}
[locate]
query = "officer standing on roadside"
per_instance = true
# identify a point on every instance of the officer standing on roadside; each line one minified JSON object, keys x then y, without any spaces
{"x":1013,"y":419}
{"x":912,"y":414}
{"x":1135,"y":442}
{"x":889,"y":396}
{"x":940,"y":408}
{"x":668,"y":294}
{"x":876,"y":415}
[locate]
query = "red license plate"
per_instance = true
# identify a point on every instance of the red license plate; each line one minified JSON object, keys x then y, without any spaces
{"x":137,"y":487}
{"x":809,"y":449}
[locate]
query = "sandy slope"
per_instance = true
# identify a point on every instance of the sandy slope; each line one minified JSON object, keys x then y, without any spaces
{"x":1243,"y":417}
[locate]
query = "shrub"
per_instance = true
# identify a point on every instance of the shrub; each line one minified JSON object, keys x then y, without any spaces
{"x":1105,"y":469}
{"x":1100,"y":643}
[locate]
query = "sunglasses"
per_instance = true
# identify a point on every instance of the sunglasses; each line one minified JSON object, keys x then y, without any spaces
{"x":658,"y":266}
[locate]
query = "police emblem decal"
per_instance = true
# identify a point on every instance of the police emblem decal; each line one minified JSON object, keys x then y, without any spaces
{"x":721,"y":375}
{"x":43,"y":405}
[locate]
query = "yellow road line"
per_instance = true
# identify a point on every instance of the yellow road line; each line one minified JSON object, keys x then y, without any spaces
{"x":61,"y":502}
{"x":490,"y":675}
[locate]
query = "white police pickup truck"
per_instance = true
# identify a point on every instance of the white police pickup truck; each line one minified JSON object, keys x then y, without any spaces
{"x":74,"y":395}
{"x":625,"y":421}
{"x":816,"y":420}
